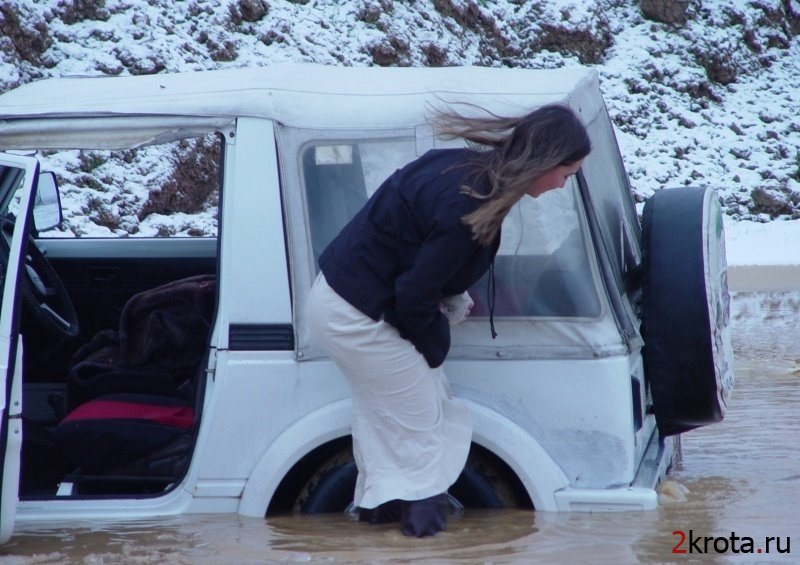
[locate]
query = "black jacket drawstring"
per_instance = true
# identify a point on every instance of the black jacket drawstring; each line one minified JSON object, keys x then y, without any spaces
{"x":490,"y":296}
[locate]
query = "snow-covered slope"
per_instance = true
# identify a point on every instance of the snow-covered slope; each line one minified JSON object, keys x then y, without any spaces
{"x":712,"y":101}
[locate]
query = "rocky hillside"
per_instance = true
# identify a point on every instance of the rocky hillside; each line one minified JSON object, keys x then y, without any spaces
{"x":701,"y":91}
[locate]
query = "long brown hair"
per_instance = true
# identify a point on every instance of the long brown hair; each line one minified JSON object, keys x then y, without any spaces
{"x":522,"y":149}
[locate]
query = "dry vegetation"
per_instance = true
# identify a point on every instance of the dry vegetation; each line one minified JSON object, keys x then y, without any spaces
{"x":194,"y":184}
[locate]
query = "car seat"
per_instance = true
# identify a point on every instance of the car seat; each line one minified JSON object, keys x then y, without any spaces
{"x":133,"y":396}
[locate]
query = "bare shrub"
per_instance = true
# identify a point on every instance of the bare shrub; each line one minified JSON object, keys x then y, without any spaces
{"x":89,"y":181}
{"x":792,"y":16}
{"x":785,"y":16}
{"x":272,"y":36}
{"x":774,"y":203}
{"x":393,"y":51}
{"x":435,"y":55}
{"x":194,"y":181}
{"x":104,"y":216}
{"x":588,"y":45}
{"x":138,"y":65}
{"x":666,"y":11}
{"x":247,"y":11}
{"x":721,"y":66}
{"x":469,"y":16}
{"x":370,"y":12}
{"x":90,"y":160}
{"x":75,"y":11}
{"x":23,"y":40}
{"x":94,"y":207}
{"x":700,"y":91}
{"x":224,"y":50}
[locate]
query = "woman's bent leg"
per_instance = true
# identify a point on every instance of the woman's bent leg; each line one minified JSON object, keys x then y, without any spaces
{"x":410,"y":436}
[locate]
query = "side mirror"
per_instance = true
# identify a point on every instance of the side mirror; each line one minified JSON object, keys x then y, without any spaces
{"x":47,"y":206}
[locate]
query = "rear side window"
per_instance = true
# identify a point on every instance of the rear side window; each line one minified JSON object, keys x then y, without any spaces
{"x":339,"y":178}
{"x":546,"y":272}
{"x":543,"y":268}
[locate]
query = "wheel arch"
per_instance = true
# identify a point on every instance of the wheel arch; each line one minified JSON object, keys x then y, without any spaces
{"x":321,"y":427}
{"x":521,"y":452}
{"x":328,"y":429}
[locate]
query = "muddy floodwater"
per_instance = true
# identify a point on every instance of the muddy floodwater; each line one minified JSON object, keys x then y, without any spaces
{"x":734,"y":497}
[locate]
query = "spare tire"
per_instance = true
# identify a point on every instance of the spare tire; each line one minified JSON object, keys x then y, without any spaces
{"x":688,"y":356}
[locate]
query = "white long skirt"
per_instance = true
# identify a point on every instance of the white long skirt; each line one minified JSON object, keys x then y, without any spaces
{"x":410,"y":436}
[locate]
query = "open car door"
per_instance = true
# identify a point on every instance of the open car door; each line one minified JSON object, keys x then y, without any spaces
{"x":15,"y":173}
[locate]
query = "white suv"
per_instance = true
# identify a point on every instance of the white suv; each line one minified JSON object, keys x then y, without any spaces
{"x":155,"y":355}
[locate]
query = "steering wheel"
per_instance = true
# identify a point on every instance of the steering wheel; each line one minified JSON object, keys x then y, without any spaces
{"x":43,"y":294}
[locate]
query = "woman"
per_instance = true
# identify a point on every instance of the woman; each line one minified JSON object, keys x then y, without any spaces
{"x":394,"y":276}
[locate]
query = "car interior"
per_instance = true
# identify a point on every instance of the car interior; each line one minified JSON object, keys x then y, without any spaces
{"x":115,"y":338}
{"x":111,"y":406}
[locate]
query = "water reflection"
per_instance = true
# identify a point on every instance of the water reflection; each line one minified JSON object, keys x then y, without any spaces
{"x":738,"y":478}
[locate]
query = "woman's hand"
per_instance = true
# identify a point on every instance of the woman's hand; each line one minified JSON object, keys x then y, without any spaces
{"x":457,"y":307}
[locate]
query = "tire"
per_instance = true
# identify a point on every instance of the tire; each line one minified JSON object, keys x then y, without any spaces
{"x":688,"y":356}
{"x":334,"y":490}
{"x":333,"y":487}
{"x":475,"y":490}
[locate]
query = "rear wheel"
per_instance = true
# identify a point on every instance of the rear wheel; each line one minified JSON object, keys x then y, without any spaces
{"x":331,"y":486}
{"x":485,"y":482}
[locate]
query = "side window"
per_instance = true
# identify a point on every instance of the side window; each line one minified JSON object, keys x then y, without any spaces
{"x":542,"y":268}
{"x":610,"y":193}
{"x":164,"y":190}
{"x":339,"y":177}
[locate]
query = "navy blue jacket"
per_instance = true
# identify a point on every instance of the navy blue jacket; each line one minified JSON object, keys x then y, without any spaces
{"x":407,"y":248}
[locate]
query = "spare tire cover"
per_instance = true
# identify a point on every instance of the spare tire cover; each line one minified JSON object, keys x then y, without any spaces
{"x":688,"y":356}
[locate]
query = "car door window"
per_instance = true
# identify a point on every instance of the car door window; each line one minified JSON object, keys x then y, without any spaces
{"x":163,"y":190}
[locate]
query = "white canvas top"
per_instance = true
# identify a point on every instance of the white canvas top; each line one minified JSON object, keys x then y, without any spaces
{"x":308,"y":95}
